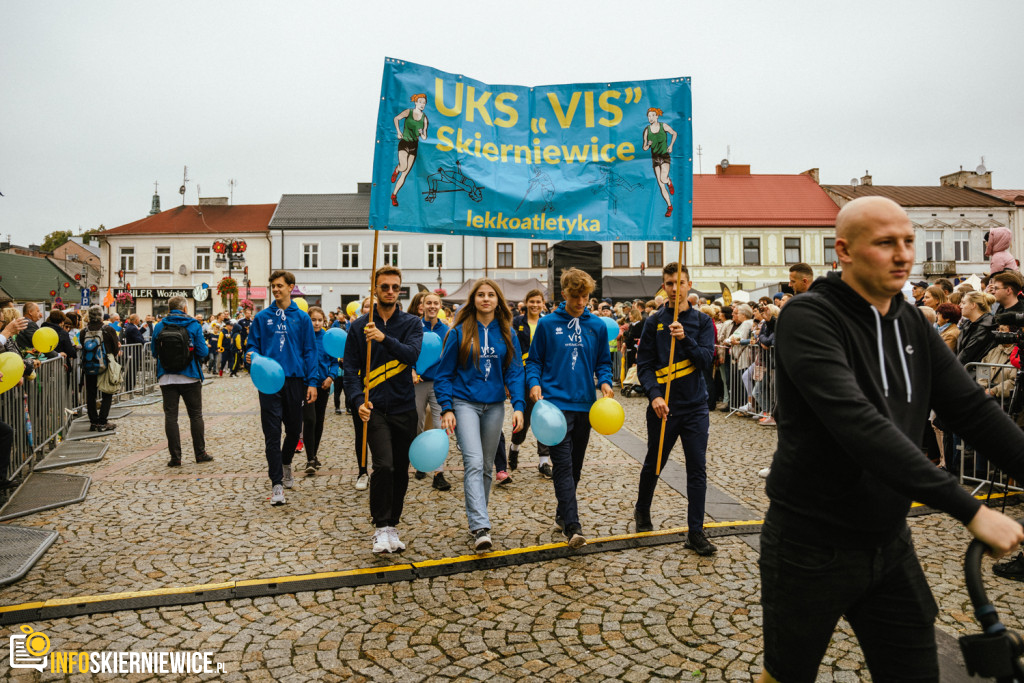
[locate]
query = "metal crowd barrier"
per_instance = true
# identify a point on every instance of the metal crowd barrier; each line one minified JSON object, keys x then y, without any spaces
{"x":749,"y":376}
{"x":972,"y":468}
{"x":40,"y":410}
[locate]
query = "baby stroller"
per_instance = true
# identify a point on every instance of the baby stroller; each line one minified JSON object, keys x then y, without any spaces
{"x":631,"y":385}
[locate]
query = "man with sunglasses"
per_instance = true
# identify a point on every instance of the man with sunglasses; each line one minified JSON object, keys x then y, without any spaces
{"x":388,"y":407}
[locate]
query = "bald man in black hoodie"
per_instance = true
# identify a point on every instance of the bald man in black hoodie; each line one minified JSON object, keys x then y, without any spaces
{"x":858,"y":370}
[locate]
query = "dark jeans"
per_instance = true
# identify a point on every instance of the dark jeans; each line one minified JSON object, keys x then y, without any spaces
{"x":6,"y":444}
{"x":313,"y":422}
{"x":282,"y":409}
{"x":336,"y":389}
{"x":567,"y":465}
{"x":519,"y":437}
{"x":881,"y":591}
{"x":500,"y":458}
{"x":96,"y":418}
{"x":192,"y":394}
{"x":691,"y":428}
{"x":388,"y":438}
{"x":227,"y":359}
{"x":359,"y":426}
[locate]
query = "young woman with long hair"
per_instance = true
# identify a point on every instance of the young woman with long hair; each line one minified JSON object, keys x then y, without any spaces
{"x":481,"y":359}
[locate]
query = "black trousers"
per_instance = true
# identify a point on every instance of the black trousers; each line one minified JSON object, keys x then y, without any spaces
{"x":690,"y":427}
{"x":96,"y":418}
{"x":388,"y":438}
{"x":6,"y":444}
{"x":313,"y":422}
{"x":192,"y":394}
{"x":282,"y":409}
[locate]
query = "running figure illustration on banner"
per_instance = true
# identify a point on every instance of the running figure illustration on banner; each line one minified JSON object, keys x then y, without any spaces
{"x":656,"y":136}
{"x":409,"y":134}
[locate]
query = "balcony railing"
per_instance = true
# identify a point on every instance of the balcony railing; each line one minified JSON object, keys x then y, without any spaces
{"x":940,"y":268}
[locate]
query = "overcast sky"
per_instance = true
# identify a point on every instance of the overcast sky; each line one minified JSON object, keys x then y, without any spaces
{"x":100,"y":99}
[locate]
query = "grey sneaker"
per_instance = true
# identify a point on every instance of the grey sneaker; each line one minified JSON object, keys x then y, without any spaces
{"x":575,"y":537}
{"x":482,"y":540}
{"x":277,"y":498}
{"x":545,"y":470}
{"x":362,"y":482}
{"x":287,"y":479}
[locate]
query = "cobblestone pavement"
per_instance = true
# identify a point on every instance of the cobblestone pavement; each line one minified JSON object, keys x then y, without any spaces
{"x":655,"y":613}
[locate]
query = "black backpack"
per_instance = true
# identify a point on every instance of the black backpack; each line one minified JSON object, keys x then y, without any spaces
{"x":174,"y":348}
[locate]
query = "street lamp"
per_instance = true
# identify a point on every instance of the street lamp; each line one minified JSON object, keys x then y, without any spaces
{"x":231,"y":252}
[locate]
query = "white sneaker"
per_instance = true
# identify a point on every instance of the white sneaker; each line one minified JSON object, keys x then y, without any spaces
{"x":747,"y":408}
{"x":362,"y":482}
{"x":287,"y":479}
{"x":277,"y":496}
{"x":764,"y":473}
{"x":381,"y":541}
{"x":396,"y":543}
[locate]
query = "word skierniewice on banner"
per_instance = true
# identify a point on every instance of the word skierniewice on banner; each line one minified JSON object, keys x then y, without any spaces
{"x":589,"y":161}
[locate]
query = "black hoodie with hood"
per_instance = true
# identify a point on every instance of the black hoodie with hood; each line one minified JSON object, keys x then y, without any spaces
{"x":854,"y":392}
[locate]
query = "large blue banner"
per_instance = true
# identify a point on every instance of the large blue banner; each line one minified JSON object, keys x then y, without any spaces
{"x":589,"y":161}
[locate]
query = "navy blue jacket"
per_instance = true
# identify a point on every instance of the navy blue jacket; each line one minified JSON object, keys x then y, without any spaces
{"x":195,"y":334}
{"x":391,"y":362}
{"x":565,"y":355}
{"x":693,"y":355}
{"x":480,"y":380}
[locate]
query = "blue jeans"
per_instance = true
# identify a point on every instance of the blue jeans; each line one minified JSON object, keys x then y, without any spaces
{"x":478,"y":428}
{"x":567,"y":466}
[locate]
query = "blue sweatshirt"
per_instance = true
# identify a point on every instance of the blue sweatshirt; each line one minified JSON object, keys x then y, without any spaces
{"x":327,"y":365}
{"x":693,"y":355}
{"x":287,"y":337}
{"x":440,"y":329}
{"x":565,"y":355}
{"x":391,"y":362}
{"x":480,"y":380}
{"x":195,"y":334}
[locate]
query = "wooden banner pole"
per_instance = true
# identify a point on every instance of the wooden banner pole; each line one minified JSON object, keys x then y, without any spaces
{"x":366,"y":375}
{"x":671,"y":357}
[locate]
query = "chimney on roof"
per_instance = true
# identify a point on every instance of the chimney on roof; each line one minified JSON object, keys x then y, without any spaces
{"x":962,"y":178}
{"x":813,"y":173}
{"x":732,"y":169}
{"x":213,"y":201}
{"x":363,"y":188}
{"x":866,"y":179}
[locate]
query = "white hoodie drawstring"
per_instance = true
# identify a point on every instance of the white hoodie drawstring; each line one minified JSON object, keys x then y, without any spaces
{"x":881,"y":355}
{"x":903,"y":360}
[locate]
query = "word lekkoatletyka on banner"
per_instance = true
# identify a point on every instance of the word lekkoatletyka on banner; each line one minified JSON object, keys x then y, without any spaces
{"x":588,"y":161}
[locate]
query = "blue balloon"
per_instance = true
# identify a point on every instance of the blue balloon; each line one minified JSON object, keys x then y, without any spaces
{"x":613,"y":328}
{"x":267,"y":374}
{"x":548,"y":423}
{"x":429,"y":449}
{"x":334,"y":342}
{"x":430,"y":353}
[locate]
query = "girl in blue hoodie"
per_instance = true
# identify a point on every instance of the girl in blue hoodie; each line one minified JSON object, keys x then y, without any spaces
{"x":481,"y":359}
{"x":313,"y":412}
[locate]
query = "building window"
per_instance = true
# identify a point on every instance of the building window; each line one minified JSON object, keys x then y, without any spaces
{"x":962,"y":245}
{"x":391,"y":255}
{"x":751,"y":251}
{"x":620,"y":255}
{"x":712,"y":251}
{"x":655,"y":254}
{"x":539,"y":255}
{"x":348,"y":255}
{"x":435,"y":255}
{"x":933,"y":245}
{"x":202,"y":258}
{"x":505,"y":254}
{"x":830,"y":251}
{"x":311,"y":255}
{"x":792,"y":248}
{"x":127,"y":259}
{"x":163,"y":259}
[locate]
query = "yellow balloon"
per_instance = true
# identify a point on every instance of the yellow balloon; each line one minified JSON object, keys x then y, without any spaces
{"x":12,"y":368}
{"x":301,"y":303}
{"x":45,"y":339}
{"x":442,"y":315}
{"x":607,"y":415}
{"x":352,"y":308}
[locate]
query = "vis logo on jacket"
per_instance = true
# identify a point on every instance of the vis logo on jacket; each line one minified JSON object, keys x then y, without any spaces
{"x":480,"y":380}
{"x":287,"y":337}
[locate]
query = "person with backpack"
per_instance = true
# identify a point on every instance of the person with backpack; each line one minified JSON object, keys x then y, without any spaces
{"x":99,"y":344}
{"x":179,"y":347}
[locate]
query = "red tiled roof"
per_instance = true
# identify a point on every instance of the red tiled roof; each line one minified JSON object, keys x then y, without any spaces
{"x":761,"y":200}
{"x":1015,"y":196}
{"x":911,"y":195}
{"x":212,"y":220}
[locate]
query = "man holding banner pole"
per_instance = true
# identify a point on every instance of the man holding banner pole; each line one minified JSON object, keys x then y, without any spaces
{"x":674,"y":351}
